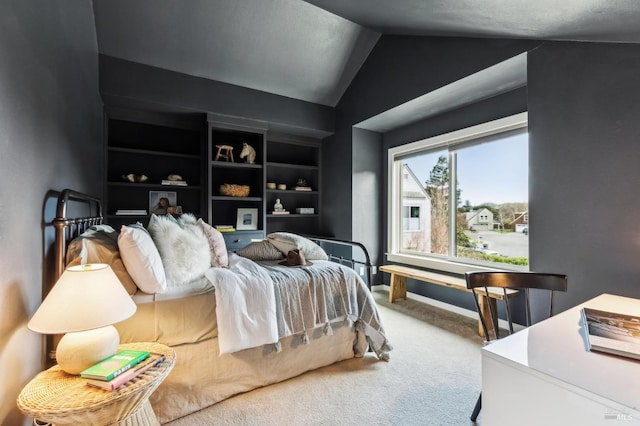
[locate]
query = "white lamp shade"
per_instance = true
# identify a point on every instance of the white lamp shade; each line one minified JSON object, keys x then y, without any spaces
{"x":84,"y":298}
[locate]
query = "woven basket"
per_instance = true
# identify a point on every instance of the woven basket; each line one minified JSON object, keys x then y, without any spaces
{"x":233,"y":190}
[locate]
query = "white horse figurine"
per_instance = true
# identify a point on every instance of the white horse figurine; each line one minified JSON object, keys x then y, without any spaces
{"x":249,"y":152}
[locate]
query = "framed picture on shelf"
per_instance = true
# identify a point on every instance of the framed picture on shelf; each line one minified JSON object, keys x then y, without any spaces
{"x":247,"y":219}
{"x":163,"y":202}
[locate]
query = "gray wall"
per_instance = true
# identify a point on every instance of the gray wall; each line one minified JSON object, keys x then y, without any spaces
{"x":367,"y":181}
{"x":50,"y":139}
{"x":129,"y":84}
{"x":584,"y":104}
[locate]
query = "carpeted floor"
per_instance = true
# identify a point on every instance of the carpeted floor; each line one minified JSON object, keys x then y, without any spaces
{"x":433,"y":378}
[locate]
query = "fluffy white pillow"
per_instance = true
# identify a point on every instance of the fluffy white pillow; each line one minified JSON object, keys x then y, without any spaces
{"x":286,"y":241}
{"x":141,"y":258}
{"x":260,"y":250}
{"x":217,"y":246}
{"x":183,"y":247}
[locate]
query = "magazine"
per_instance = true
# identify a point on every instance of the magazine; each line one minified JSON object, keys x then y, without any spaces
{"x":612,"y":332}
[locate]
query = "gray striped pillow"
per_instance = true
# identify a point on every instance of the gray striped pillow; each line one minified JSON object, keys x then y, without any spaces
{"x":261,"y":250}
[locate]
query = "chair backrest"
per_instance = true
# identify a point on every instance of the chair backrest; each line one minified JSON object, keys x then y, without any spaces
{"x":480,"y":282}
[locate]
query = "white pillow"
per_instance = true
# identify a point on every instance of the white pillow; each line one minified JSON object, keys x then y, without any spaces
{"x":286,"y":241}
{"x":217,"y":246}
{"x":183,"y":247}
{"x":141,"y":258}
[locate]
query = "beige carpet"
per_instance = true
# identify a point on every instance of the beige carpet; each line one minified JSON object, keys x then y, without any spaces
{"x":433,"y":378}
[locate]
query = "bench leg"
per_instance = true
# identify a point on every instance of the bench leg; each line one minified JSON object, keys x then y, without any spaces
{"x":398,"y":289}
{"x":487,"y":305}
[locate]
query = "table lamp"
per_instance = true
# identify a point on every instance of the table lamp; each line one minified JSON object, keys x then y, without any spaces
{"x":85,"y":303}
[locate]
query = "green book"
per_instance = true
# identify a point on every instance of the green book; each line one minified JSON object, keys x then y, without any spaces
{"x":116,"y":364}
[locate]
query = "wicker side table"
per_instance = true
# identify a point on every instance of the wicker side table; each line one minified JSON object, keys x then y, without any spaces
{"x":63,"y":399}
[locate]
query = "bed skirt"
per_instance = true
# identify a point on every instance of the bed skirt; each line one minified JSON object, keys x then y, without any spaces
{"x":201,"y":377}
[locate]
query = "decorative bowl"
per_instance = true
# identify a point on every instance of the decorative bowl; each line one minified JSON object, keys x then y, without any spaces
{"x":233,"y":190}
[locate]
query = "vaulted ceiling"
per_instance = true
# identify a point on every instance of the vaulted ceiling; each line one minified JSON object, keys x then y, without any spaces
{"x":311,"y":50}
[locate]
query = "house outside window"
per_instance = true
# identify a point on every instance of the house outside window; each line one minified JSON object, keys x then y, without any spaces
{"x":460,"y":200}
{"x":416,"y":213}
{"x":411,"y":218}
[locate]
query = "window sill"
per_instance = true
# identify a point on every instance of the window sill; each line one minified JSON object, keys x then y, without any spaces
{"x":447,"y":265}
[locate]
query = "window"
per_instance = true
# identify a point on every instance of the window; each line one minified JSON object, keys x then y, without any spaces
{"x":462,"y":198}
{"x":411,"y":218}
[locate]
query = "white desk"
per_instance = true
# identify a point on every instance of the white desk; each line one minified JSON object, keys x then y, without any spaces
{"x":544,"y":375}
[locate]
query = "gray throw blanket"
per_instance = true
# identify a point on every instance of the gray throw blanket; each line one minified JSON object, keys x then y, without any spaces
{"x":321,"y":294}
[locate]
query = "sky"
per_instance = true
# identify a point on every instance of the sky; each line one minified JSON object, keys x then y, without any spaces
{"x":495,"y":172}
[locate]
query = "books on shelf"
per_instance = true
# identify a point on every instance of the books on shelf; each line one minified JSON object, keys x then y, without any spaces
{"x":131,"y":212}
{"x":174,"y":182}
{"x":225,"y":228}
{"x":115,"y":365}
{"x":280,"y":212}
{"x":113,"y":384}
{"x":613,"y":333}
{"x":302,"y":188}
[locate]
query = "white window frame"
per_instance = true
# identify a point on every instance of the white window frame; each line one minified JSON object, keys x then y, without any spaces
{"x":394,"y":226}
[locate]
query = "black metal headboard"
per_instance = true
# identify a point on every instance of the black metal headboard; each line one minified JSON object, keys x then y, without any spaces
{"x":346,"y":252}
{"x":68,"y":228}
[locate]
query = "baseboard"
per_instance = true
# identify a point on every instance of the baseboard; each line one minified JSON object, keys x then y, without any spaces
{"x":447,"y":306}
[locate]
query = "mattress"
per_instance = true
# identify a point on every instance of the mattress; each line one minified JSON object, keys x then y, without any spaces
{"x":172,"y":318}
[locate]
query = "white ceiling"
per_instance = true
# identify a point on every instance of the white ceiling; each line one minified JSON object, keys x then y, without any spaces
{"x":312,"y":50}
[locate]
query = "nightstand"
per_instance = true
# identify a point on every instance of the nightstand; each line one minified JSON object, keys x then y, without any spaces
{"x":63,"y":399}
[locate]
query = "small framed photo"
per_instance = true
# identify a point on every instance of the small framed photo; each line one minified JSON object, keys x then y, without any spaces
{"x":247,"y":219}
{"x":162,"y":202}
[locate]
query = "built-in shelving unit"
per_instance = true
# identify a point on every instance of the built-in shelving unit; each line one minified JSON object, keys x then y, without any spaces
{"x":288,"y":160}
{"x":159,"y":144}
{"x":225,"y":209}
{"x":156,"y":146}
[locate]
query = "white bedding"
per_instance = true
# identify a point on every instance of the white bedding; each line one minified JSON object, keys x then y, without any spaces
{"x":245,"y":303}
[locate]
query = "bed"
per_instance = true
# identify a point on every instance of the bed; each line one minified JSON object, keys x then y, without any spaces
{"x":236,"y":320}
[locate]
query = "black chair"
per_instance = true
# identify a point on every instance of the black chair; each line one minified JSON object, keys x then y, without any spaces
{"x":522,"y":281}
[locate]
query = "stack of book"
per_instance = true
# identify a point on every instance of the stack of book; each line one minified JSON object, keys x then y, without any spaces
{"x":131,"y":212}
{"x":225,"y":228}
{"x":174,"y":182}
{"x":118,"y":369}
{"x":302,"y":188}
{"x":280,"y":212}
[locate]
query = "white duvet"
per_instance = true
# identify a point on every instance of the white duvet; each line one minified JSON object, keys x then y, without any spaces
{"x":245,"y":304}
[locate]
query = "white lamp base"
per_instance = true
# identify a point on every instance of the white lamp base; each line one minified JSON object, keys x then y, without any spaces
{"x":78,"y":351}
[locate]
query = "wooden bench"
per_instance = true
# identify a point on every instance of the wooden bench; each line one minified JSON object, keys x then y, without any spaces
{"x":398,"y":288}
